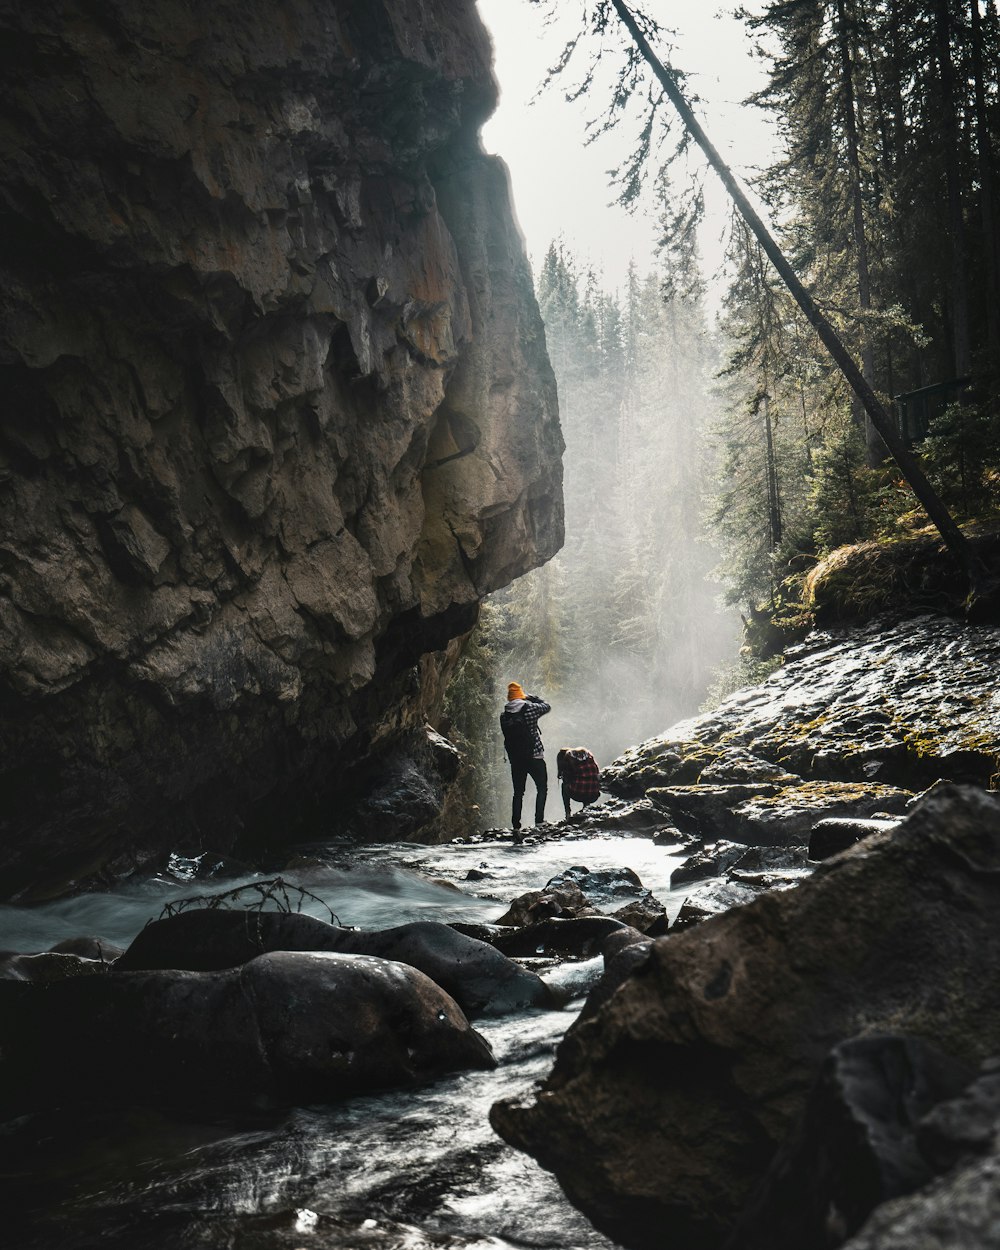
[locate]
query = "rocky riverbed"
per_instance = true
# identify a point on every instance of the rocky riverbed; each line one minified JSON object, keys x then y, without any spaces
{"x":777,"y":990}
{"x":769,"y":1077}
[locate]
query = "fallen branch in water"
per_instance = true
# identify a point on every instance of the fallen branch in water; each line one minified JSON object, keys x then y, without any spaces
{"x":276,"y":891}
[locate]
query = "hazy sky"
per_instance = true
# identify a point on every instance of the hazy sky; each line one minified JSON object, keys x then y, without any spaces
{"x":561,"y":188}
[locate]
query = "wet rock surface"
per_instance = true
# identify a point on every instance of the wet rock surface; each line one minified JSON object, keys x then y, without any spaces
{"x":900,"y":703}
{"x":720,"y":1032}
{"x":279,"y":414}
{"x":287,"y":1025}
{"x":836,"y":833}
{"x":477,"y":976}
{"x":48,"y":966}
{"x":856,"y":1145}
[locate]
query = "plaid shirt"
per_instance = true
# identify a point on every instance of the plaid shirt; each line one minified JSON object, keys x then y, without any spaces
{"x":533,"y":708}
{"x":580,"y":773}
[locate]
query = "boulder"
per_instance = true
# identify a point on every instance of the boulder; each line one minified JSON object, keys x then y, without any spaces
{"x":708,"y":811}
{"x":742,"y":768}
{"x":837,"y":833}
{"x":48,"y":966}
{"x":554,"y":900}
{"x":666,"y":1106}
{"x":479,"y":978}
{"x":572,"y":938}
{"x":578,"y":892}
{"x":287,"y":1026}
{"x":959,"y":1211}
{"x":771,"y":867}
{"x":855,"y":1147}
{"x":771,"y":859}
{"x":601,"y":886}
{"x":711,"y":861}
{"x":789,"y":815}
{"x":646,"y":914}
{"x":89,"y":948}
{"x":641,"y":818}
{"x":712,"y":899}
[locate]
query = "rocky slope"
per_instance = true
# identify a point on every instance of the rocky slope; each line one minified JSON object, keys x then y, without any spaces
{"x":278,"y":414}
{"x":898,"y":702}
{"x":767,"y":1077}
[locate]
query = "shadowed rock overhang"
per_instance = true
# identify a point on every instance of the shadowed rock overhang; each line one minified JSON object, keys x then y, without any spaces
{"x":278,"y":412}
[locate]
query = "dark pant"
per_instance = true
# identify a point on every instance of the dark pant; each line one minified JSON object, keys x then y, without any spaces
{"x":520,"y":771}
{"x":566,"y":796}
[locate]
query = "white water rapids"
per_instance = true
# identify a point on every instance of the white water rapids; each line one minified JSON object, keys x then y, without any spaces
{"x":406,"y":1169}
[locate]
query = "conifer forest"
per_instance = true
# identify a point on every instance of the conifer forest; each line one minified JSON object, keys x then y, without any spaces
{"x":716,"y":456}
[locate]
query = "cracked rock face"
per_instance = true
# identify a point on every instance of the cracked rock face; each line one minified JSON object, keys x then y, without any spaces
{"x":278,"y":413}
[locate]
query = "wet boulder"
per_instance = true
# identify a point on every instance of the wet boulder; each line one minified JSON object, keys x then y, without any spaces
{"x":286,"y":1026}
{"x":640,"y":818}
{"x":565,"y":900}
{"x":666,"y":1106}
{"x":579,"y":937}
{"x":645,"y":914}
{"x":837,"y":833}
{"x":578,"y":892}
{"x":48,"y":966}
{"x":768,"y":867}
{"x":771,"y":859}
{"x":788,"y":816}
{"x":708,"y":810}
{"x":601,"y":886}
{"x":479,"y":978}
{"x":711,"y":861}
{"x":712,"y":898}
{"x":605,"y":887}
{"x":856,"y":1145}
{"x":743,"y":768}
{"x":89,"y":948}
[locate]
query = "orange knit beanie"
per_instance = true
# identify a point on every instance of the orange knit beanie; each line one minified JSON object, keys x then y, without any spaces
{"x":514,"y":691}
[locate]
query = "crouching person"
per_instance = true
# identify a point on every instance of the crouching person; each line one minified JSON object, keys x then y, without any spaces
{"x":581,"y":776}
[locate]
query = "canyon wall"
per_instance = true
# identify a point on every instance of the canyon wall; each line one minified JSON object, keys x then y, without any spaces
{"x":277,"y":414}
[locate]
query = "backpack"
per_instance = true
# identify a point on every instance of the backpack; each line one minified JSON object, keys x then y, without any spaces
{"x":518,"y":735}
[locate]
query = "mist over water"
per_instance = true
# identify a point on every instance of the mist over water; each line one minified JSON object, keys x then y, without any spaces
{"x":418,"y":1168}
{"x":622,"y":632}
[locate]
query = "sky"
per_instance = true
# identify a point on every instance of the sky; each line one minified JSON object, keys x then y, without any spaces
{"x":561,"y":186}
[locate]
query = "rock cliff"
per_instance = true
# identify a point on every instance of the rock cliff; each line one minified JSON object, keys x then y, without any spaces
{"x":278,"y":414}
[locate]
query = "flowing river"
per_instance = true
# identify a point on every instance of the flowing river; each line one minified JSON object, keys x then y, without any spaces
{"x":408,"y":1168}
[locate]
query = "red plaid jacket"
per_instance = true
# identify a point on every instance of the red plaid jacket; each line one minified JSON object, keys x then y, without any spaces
{"x":580,"y":773}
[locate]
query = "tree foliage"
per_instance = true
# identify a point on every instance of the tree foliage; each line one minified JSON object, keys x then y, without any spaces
{"x":621,"y":631}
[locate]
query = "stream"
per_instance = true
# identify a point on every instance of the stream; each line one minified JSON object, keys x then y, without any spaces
{"x":407,"y":1168}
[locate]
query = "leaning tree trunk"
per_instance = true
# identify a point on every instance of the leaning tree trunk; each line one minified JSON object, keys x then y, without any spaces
{"x":942,"y":519}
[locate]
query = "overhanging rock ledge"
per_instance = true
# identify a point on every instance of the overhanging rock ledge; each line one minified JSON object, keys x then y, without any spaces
{"x":278,"y":413}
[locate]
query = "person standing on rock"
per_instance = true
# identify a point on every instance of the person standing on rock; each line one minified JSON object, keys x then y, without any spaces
{"x":523,"y":747}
